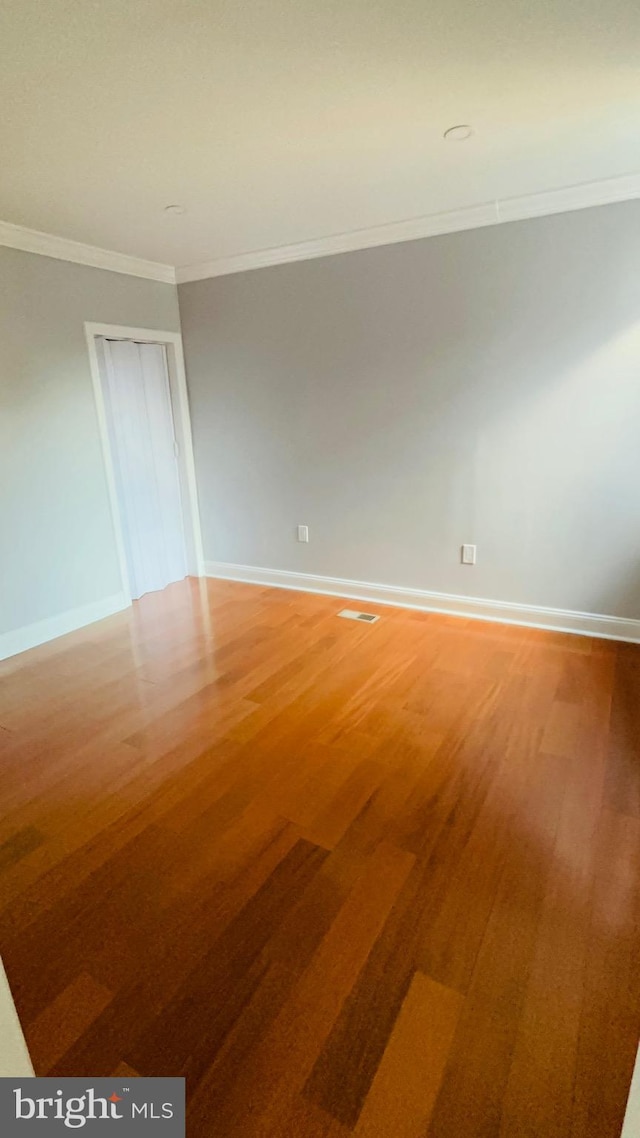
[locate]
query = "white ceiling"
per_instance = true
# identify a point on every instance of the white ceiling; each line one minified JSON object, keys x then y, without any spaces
{"x":282,"y":121}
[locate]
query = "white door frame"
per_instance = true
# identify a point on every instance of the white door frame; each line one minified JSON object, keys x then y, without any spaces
{"x":172,"y":341}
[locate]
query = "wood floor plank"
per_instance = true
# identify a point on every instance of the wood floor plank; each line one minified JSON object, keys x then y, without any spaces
{"x":23,"y":842}
{"x":472,"y":1093}
{"x":623,"y":777}
{"x":610,"y":1013}
{"x":60,"y":1024}
{"x":124,"y":1071}
{"x":408,"y":1079}
{"x":459,"y":912}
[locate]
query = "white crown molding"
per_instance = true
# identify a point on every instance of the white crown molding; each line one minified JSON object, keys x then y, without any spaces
{"x":63,"y":249}
{"x":563,"y":200}
{"x":504,"y":612}
{"x":31,"y":635}
{"x":472,"y":217}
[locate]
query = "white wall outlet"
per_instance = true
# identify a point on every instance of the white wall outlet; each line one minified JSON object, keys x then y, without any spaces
{"x":303,"y":533}
{"x":468,"y":555}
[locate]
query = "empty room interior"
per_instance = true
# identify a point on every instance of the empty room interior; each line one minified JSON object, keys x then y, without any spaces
{"x":320,"y":568}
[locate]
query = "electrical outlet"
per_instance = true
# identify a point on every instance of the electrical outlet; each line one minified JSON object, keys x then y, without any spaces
{"x":468,"y":555}
{"x":303,"y":533}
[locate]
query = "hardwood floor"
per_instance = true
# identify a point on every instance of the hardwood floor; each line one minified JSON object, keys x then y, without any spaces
{"x":380,"y":880}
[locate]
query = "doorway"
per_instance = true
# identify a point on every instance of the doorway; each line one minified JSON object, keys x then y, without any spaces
{"x":143,"y":413}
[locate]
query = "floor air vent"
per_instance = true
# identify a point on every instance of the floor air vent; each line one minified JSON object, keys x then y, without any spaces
{"x":351,"y":614}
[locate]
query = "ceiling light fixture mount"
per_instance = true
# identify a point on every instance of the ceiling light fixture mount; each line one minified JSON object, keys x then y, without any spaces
{"x":174,"y":209}
{"x":459,"y":133}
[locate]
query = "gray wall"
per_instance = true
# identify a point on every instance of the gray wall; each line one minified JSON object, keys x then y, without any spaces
{"x":57,"y":540}
{"x":478,"y":387}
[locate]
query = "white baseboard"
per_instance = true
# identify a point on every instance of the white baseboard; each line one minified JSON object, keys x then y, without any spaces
{"x":31,"y":635}
{"x":506,"y":612}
